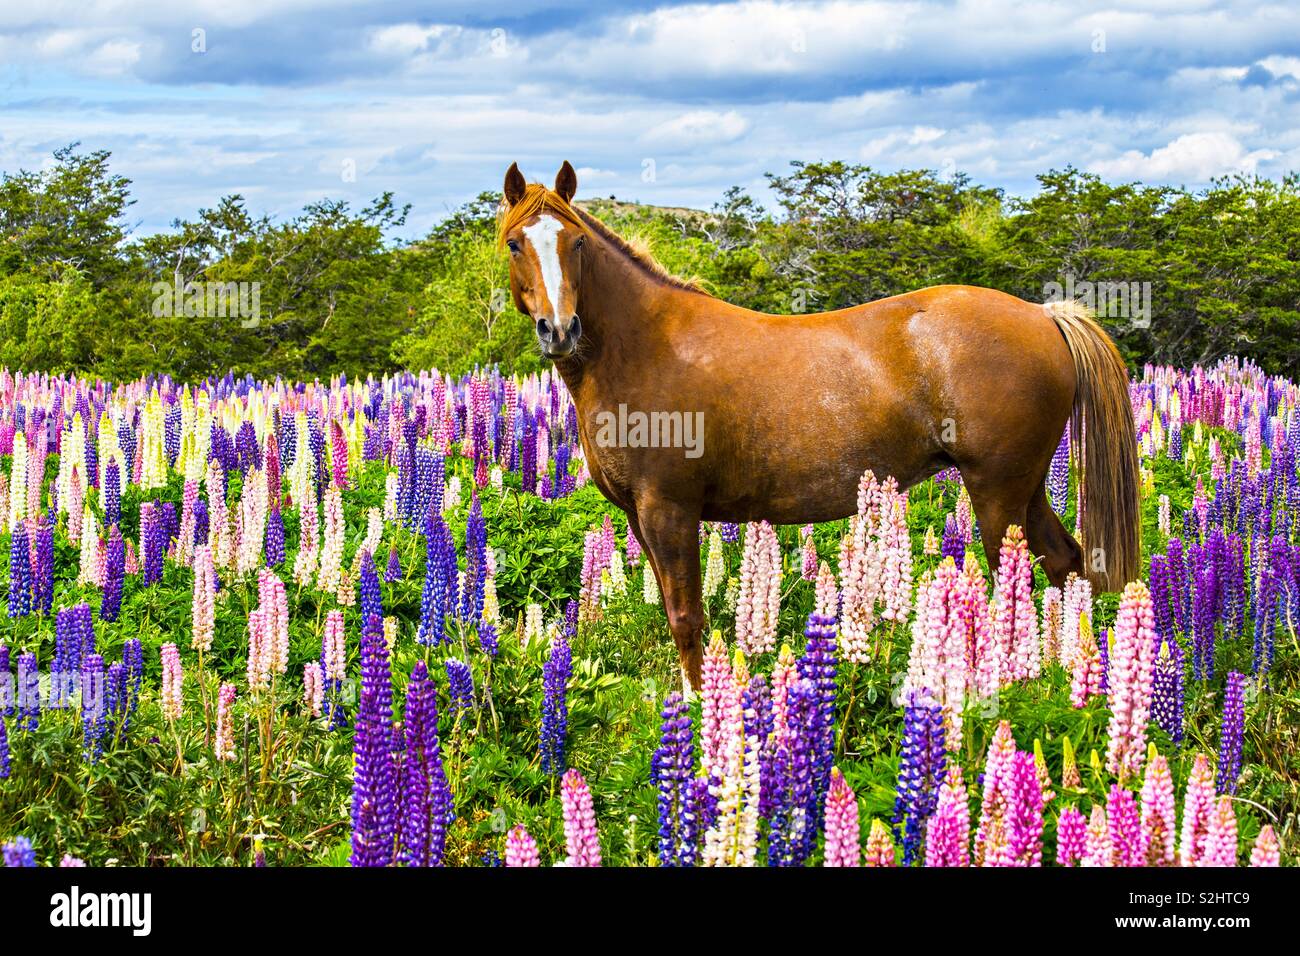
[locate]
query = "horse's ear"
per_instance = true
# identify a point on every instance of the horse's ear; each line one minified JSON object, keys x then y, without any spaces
{"x":515,"y":184}
{"x":566,"y":182}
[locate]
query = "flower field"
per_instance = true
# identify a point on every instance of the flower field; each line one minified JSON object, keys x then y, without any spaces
{"x":392,"y":622}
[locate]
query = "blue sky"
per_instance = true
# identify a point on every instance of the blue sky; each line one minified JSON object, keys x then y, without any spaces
{"x":289,"y":101}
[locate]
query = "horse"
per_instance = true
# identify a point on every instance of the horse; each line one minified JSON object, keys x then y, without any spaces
{"x":794,"y":408}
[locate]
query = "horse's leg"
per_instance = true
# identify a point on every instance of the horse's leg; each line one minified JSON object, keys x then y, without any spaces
{"x":998,"y":502}
{"x":672,"y":538}
{"x":1049,"y":540}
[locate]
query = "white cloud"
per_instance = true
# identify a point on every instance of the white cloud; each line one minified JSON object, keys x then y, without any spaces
{"x":699,"y":126}
{"x":1193,"y":157}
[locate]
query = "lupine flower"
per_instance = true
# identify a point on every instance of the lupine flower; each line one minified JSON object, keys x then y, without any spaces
{"x":1220,"y":848}
{"x":203,"y":608}
{"x":732,"y":838}
{"x":20,"y":575}
{"x":1231,"y":734}
{"x":1015,"y":619}
{"x":172,"y":677}
{"x":1099,"y":850}
{"x":224,"y":743}
{"x":555,"y":707}
{"x":715,"y":570}
{"x":114,"y":573}
{"x":880,"y":846}
{"x":374,"y":785}
{"x":1131,"y":670}
{"x":715,"y":698}
{"x":29,"y":691}
{"x":393,"y":571}
{"x":19,"y":853}
{"x":313,"y":688}
{"x":580,"y":837}
{"x":1126,"y":831}
{"x":1159,"y":830}
{"x":1167,"y":690}
{"x":842,"y":827}
{"x":426,"y":810}
{"x":521,"y":849}
{"x":1198,"y":803}
{"x":71,"y":862}
{"x":460,"y":689}
{"x":1266,"y":852}
{"x":1086,"y":679}
{"x":1071,"y":836}
{"x":759,"y":604}
{"x":947,"y":838}
{"x":921,"y":768}
{"x":670,"y":771}
{"x":5,"y":765}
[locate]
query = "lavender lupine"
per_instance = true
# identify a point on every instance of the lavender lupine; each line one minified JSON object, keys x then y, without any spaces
{"x":19,"y":853}
{"x":1231,"y":734}
{"x":374,"y":786}
{"x":555,"y":708}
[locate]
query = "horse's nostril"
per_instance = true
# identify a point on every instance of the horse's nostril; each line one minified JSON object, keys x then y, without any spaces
{"x":576,"y":327}
{"x":543,"y":329}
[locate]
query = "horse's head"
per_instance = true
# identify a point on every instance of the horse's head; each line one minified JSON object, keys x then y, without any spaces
{"x":545,"y":237}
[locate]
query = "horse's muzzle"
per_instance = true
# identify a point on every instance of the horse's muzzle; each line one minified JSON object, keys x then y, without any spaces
{"x":557,"y":343}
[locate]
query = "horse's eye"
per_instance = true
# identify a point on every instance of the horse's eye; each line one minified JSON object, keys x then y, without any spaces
{"x":512,"y":246}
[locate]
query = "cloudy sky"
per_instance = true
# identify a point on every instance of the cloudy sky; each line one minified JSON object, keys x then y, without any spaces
{"x":289,"y":101}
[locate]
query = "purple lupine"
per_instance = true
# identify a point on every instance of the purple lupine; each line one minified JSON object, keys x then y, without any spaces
{"x":440,"y":583}
{"x":1231,"y":734}
{"x":671,"y":771}
{"x":370,"y":601}
{"x":117,"y":699}
{"x":133,"y":659}
{"x":488,"y":640}
{"x":393,"y":571}
{"x":19,"y":853}
{"x":426,"y":799}
{"x":112,"y":493}
{"x":374,"y":789}
{"x":1203,"y":615}
{"x":114,"y":573}
{"x":94,"y":718}
{"x":471,"y":597}
{"x":555,"y":706}
{"x":20,"y":573}
{"x":274,"y":544}
{"x":1160,"y":595}
{"x":43,"y":566}
{"x":528,"y":454}
{"x":818,"y":664}
{"x":759,"y":722}
{"x":460,"y":689}
{"x":921,"y":767}
{"x":29,"y":691}
{"x":1167,"y":689}
{"x":954,"y":542}
{"x":150,"y":522}
{"x":1179,"y":585}
{"x":1058,"y":475}
{"x":1125,"y":823}
{"x":66,"y":667}
{"x":7,"y":694}
{"x":792,"y":828}
{"x":4,"y":747}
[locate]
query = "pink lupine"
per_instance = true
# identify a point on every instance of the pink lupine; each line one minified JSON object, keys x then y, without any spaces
{"x":1266,"y":852}
{"x":331,"y":551}
{"x":1050,"y":627}
{"x":313,"y":688}
{"x":827,"y":602}
{"x":224,"y":742}
{"x":1220,"y":848}
{"x":521,"y":848}
{"x":842,"y":833}
{"x":1198,"y":804}
{"x":716,"y":695}
{"x":1015,"y":619}
{"x":1132,"y":660}
{"x":1126,"y":833}
{"x":304,"y":564}
{"x":896,"y":554}
{"x":258,"y":668}
{"x":1099,"y":849}
{"x":172,"y":677}
{"x":203,"y":606}
{"x":880,"y":846}
{"x":860,"y":573}
{"x":996,"y":799}
{"x":1075,"y":600}
{"x":947,"y":838}
{"x":784,"y":673}
{"x":334,"y":647}
{"x":809,"y":558}
{"x":274,"y":602}
{"x":1158,"y":826}
{"x":732,"y":840}
{"x":759,"y":604}
{"x":1085,"y":664}
{"x":1071,"y":836}
{"x":580,"y":835}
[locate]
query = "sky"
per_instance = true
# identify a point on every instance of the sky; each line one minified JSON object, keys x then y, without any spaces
{"x":289,"y":101}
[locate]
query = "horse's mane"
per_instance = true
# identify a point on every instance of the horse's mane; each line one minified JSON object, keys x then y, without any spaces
{"x":538,"y":199}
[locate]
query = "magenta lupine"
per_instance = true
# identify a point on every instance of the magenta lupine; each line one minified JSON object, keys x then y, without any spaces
{"x":1071,"y":836}
{"x":1126,"y":832}
{"x":759,"y":604}
{"x":1220,"y":847}
{"x":842,"y":826}
{"x":580,"y":837}
{"x":1265,"y":851}
{"x":992,"y":835}
{"x":1015,"y":619}
{"x":521,"y":848}
{"x":1131,"y":670}
{"x":1198,"y":804}
{"x":947,"y":838}
{"x":1158,"y":824}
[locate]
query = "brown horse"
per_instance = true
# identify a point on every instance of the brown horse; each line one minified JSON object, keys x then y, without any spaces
{"x":795,"y":407}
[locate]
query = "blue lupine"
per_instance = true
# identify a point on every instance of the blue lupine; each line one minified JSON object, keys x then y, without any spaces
{"x":29,"y":691}
{"x":20,"y":573}
{"x":393,"y":571}
{"x":818,"y":664}
{"x":792,"y":828}
{"x":488,"y":640}
{"x":921,"y":768}
{"x":19,"y":853}
{"x":440,"y":582}
{"x":374,"y":785}
{"x":43,"y":569}
{"x":274,"y":544}
{"x":94,"y":717}
{"x":1058,"y":476}
{"x":1231,"y":734}
{"x":953,"y":545}
{"x":555,"y":707}
{"x":426,"y":798}
{"x":114,"y":572}
{"x":1167,"y":689}
{"x":370,"y":601}
{"x":670,"y":772}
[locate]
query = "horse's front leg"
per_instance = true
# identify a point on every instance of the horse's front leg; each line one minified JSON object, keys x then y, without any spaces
{"x":671,"y":535}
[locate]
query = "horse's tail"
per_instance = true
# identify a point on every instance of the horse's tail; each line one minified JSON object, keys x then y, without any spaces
{"x":1104,"y":442}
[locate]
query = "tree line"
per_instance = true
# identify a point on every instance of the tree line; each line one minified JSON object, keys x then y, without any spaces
{"x":1178,"y":276}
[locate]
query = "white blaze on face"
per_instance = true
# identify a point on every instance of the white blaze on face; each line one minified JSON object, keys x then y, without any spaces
{"x":544,"y":235}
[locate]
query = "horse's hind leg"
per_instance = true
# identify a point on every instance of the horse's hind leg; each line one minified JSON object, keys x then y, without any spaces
{"x":670,"y":532}
{"x":999,"y":502}
{"x":1049,"y":540}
